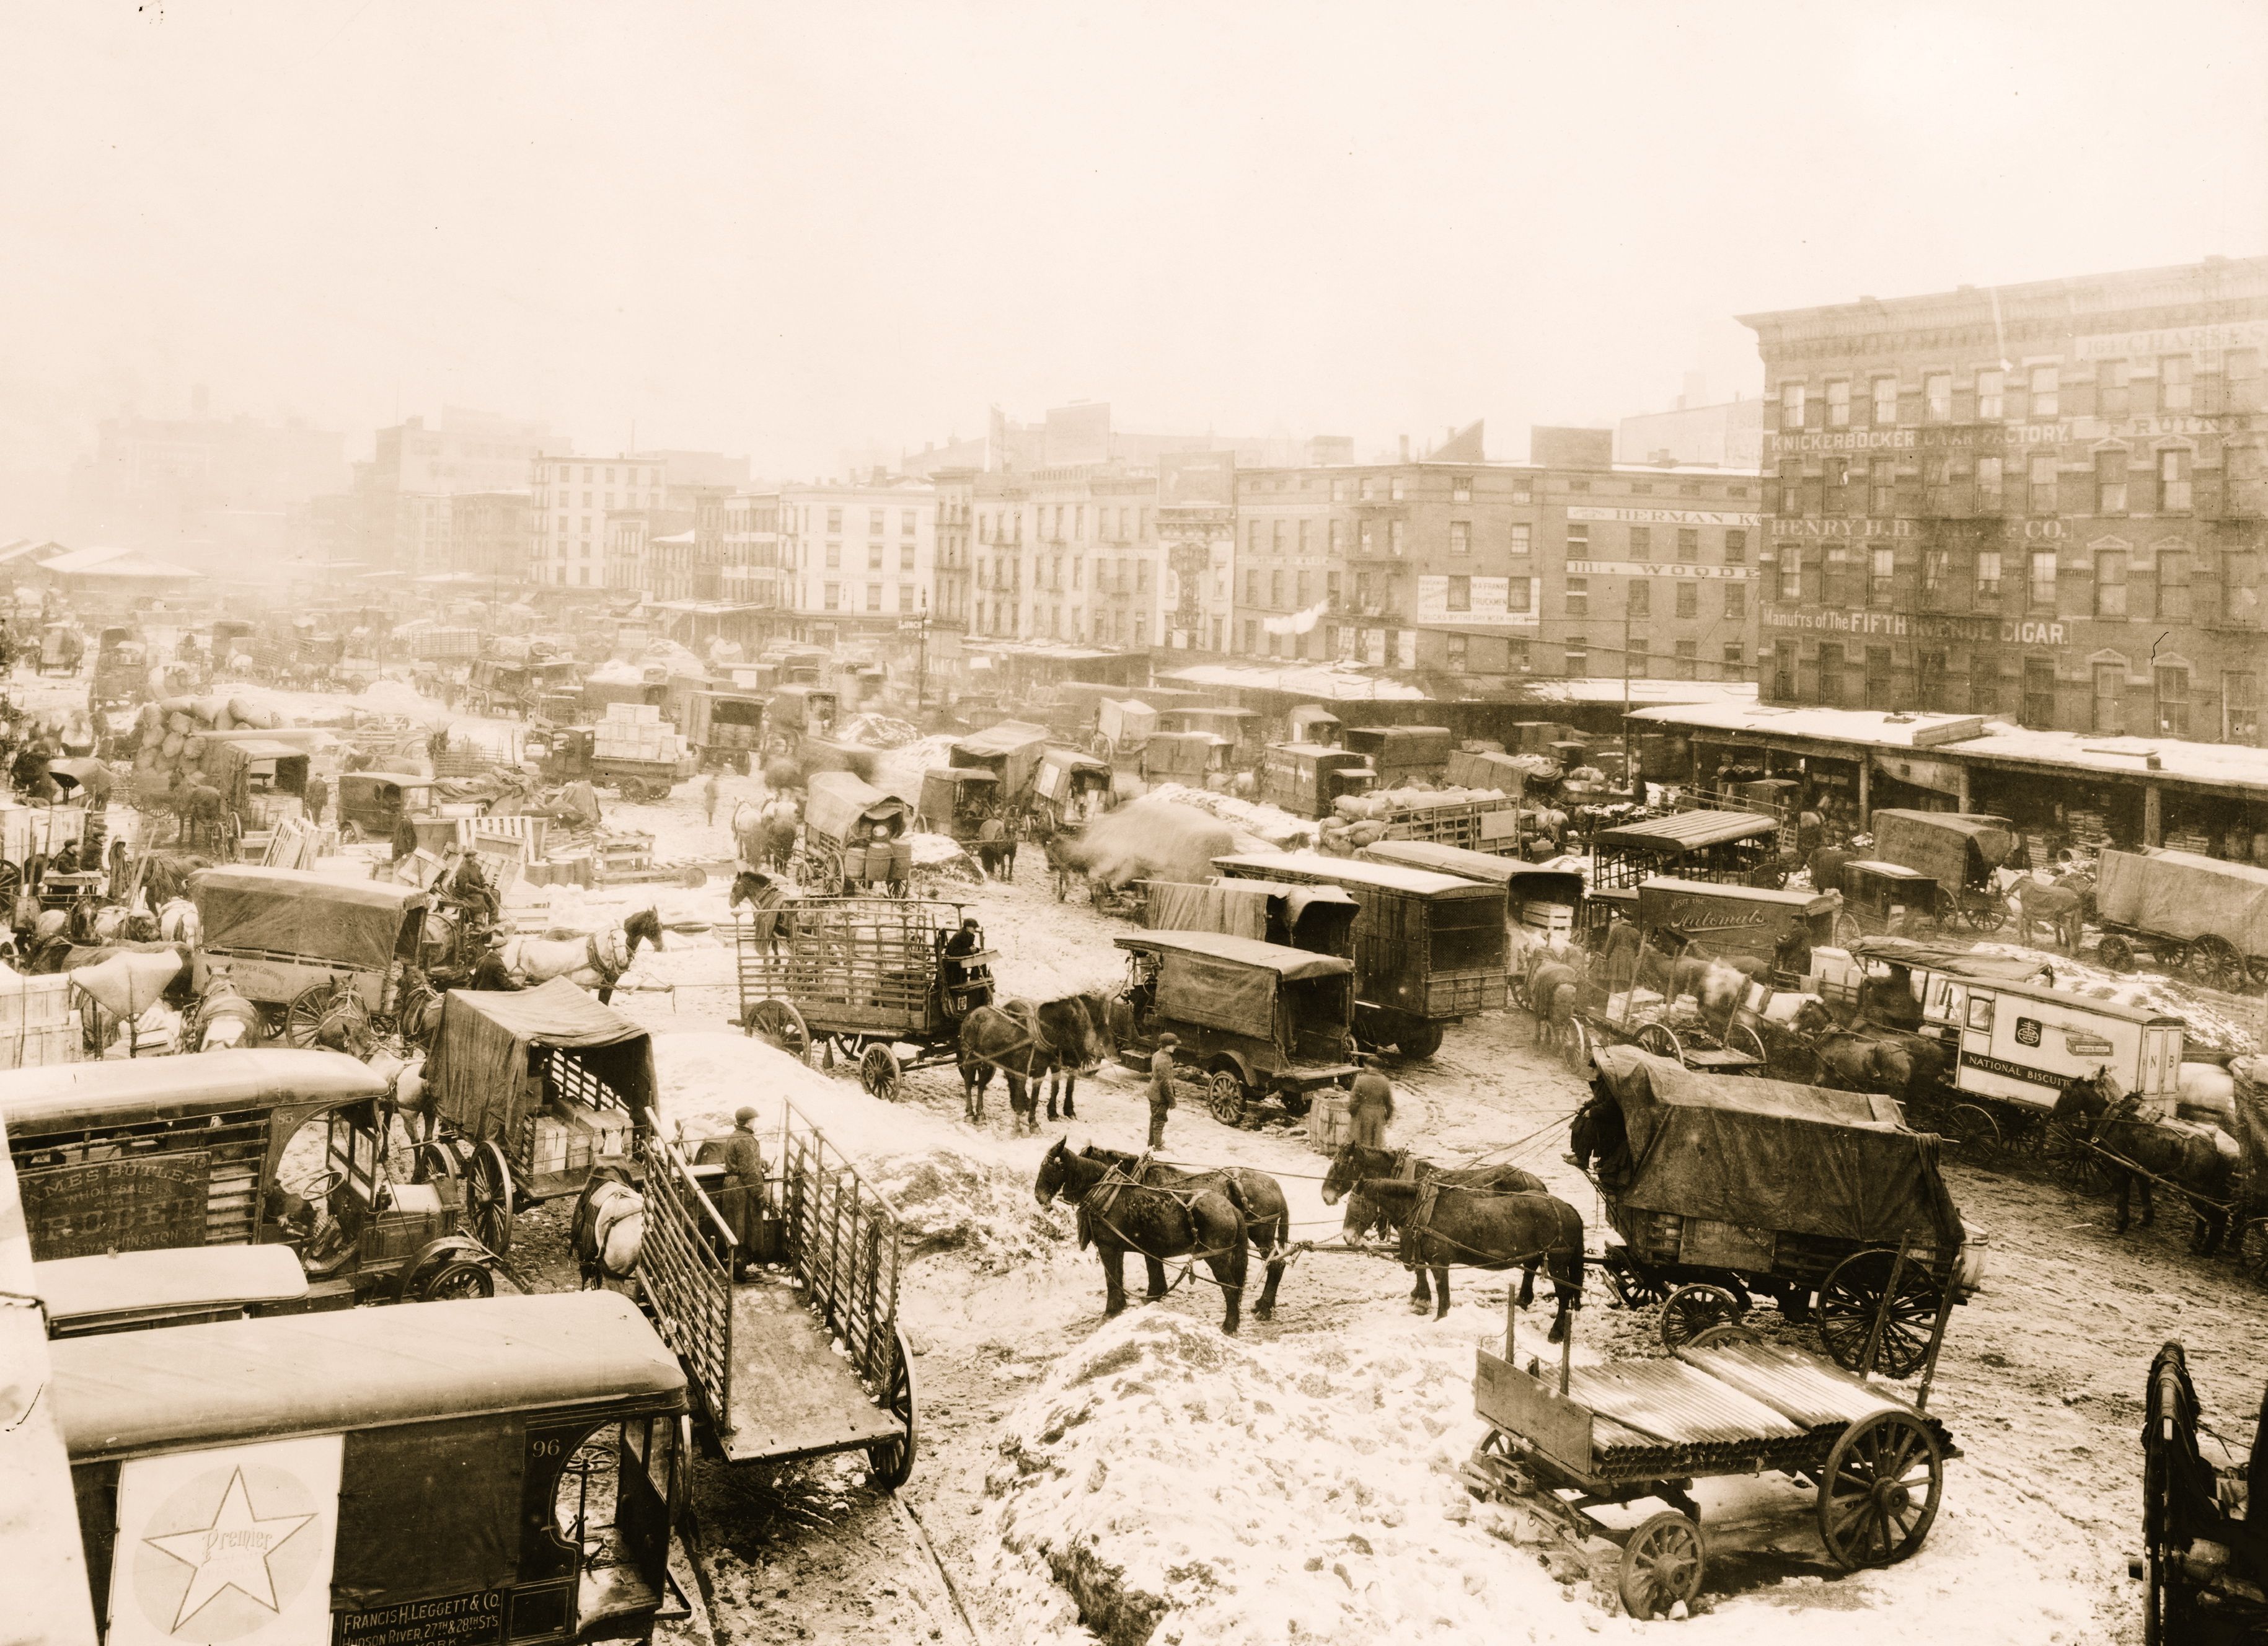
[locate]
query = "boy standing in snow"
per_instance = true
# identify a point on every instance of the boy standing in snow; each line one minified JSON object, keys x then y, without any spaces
{"x":1161,"y":1087}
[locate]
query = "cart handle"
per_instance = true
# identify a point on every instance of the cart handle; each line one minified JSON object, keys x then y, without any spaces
{"x":1883,"y":1308}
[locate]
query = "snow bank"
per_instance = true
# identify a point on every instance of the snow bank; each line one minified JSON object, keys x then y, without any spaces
{"x":898,"y":771}
{"x":2207,"y":1027}
{"x":955,"y":1189}
{"x":1272,"y":823}
{"x":1186,"y":1486}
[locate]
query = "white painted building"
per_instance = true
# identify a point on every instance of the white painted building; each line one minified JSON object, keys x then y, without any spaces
{"x":571,"y":499}
{"x":857,"y":558}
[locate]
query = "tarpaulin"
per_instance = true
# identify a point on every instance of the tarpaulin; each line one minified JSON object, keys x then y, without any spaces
{"x":479,"y":1064}
{"x":1953,"y":849}
{"x":1011,"y":749}
{"x":1766,"y":1154}
{"x":353,"y":923}
{"x":2251,"y":1075}
{"x":2181,"y":894}
{"x":1238,"y":909}
{"x":1219,"y":992}
{"x":838,"y":800}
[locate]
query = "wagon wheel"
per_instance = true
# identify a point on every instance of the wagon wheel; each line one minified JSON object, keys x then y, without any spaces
{"x":304,"y":1017}
{"x":2070,"y":1160}
{"x":488,"y":1198}
{"x":1743,"y":1038}
{"x":1729,"y":1332}
{"x":892,"y":1461}
{"x":1692,"y":1309}
{"x":2174,"y":958}
{"x":1579,"y":1045}
{"x":2214,"y":962}
{"x":1984,"y":914}
{"x":1662,"y":1565}
{"x":435,"y":1164}
{"x":878,"y":1072}
{"x":1421,"y":1043}
{"x":780,"y":1023}
{"x":2116,"y":953}
{"x":1225,"y":1096}
{"x":461,"y":1278}
{"x":1847,"y":1306}
{"x":1879,"y":1492}
{"x":1847,"y":929}
{"x":2252,"y":1250}
{"x":1976,"y":1134}
{"x":12,"y":882}
{"x":1663,"y":1041}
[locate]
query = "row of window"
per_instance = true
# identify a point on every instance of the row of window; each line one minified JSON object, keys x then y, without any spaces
{"x":2166,"y":486}
{"x":1066,"y":522}
{"x":2033,"y":394}
{"x":1953,"y":579}
{"x":831,"y":597}
{"x":875,"y":552}
{"x":632,"y":474}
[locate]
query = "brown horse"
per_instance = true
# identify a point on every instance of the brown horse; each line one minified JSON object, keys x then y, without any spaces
{"x":1365,"y":1217}
{"x":1484,"y":1229}
{"x":1267,"y":1216}
{"x":1029,"y":1043}
{"x":1202,"y":1221}
{"x":2188,"y":1156}
{"x":2058,"y":907}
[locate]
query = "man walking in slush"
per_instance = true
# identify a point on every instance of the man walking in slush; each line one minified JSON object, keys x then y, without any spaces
{"x":1161,"y":1087}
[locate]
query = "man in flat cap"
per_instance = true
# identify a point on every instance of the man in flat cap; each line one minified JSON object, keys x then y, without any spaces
{"x":741,"y":1202}
{"x":1161,"y":1087}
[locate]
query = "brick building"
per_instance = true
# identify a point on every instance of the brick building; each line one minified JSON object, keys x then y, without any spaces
{"x":2042,"y":501}
{"x":1067,"y":552}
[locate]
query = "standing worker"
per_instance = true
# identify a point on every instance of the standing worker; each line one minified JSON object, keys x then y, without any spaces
{"x":1369,"y":1108}
{"x":1161,"y":1087}
{"x":743,"y":1195}
{"x":315,"y":796}
{"x":709,"y":787}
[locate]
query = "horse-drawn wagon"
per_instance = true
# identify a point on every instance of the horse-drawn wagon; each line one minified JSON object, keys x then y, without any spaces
{"x":854,"y":835}
{"x":1428,"y":949}
{"x":1958,"y":852}
{"x":790,"y":1365}
{"x":1010,"y":751}
{"x":536,"y":1092}
{"x":795,"y":713}
{"x":1253,"y":1019}
{"x":1741,"y":847}
{"x":1195,"y":760}
{"x":965,"y":805}
{"x":2191,"y":914}
{"x":1308,"y":779}
{"x":1721,"y":1188}
{"x":1070,"y":789}
{"x":308,"y":948}
{"x":863,"y":977}
{"x":220,"y":1149}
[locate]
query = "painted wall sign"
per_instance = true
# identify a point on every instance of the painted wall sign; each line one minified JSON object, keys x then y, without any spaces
{"x":2173,"y":341}
{"x":2019,"y":631}
{"x":1488,"y":602}
{"x":467,"y":1619}
{"x":1653,"y":568}
{"x":143,"y":1205}
{"x":1814,"y":441}
{"x":1661,"y":517}
{"x":1838,"y":526}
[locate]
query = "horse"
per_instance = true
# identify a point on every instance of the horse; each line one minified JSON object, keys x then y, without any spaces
{"x":770,"y":918}
{"x":222,"y":1019}
{"x":1267,"y":1215}
{"x":1849,"y":1060}
{"x":607,"y":1231}
{"x":597,"y":961}
{"x":1077,"y":1027}
{"x":1551,"y":991}
{"x":1007,"y":1037}
{"x":1364,"y":1217}
{"x":1118,"y":1216}
{"x":1826,"y":864}
{"x":2189,"y":1156}
{"x":2058,"y":907}
{"x":1487,"y":1228}
{"x":166,"y":877}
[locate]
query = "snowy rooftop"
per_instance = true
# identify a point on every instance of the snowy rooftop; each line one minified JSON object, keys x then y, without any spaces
{"x":1610,"y":690}
{"x":1321,"y":681}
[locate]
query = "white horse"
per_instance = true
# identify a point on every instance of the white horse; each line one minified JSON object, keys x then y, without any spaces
{"x":595,"y":962}
{"x":179,"y":921}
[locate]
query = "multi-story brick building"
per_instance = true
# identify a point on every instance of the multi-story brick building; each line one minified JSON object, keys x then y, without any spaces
{"x":1069,"y":552}
{"x":750,"y":575}
{"x":951,"y":598}
{"x":857,"y":556}
{"x":1474,"y":572}
{"x":568,"y":544}
{"x":2041,"y":500}
{"x":488,"y":533}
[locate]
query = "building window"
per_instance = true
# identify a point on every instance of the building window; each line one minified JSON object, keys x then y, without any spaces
{"x":833,"y":520}
{"x":1518,"y":594}
{"x":874,"y":557}
{"x":905,"y":597}
{"x":1984,"y":683}
{"x":2039,"y":591}
{"x":1791,"y":488}
{"x":2045,"y":392}
{"x":1579,"y":657}
{"x":1881,"y":487}
{"x":1300,"y":599}
{"x":1735,"y":660}
{"x":2174,"y":585}
{"x":1252,"y":588}
{"x":1461,"y":537}
{"x":2240,"y":571}
{"x":1784,"y":672}
{"x":1400,"y":488}
{"x":1304,"y":527}
{"x":1882,"y":576}
{"x":1790,"y":577}
{"x":1688,"y":543}
{"x":2173,"y":481}
{"x":1335,"y":535}
{"x":1460,"y":488}
{"x":1830,"y":675}
{"x":2176,"y":387}
{"x":834,"y":596}
{"x":1885,"y":402}
{"x":1688,"y":598}
{"x":1988,"y":483}
{"x":1276,"y":591}
{"x":1878,"y":677}
{"x":1578,"y":538}
{"x":2173,"y":687}
{"x":1393,"y":534}
{"x":1252,"y":537}
{"x":1992,"y":396}
{"x":1839,"y":404}
{"x":1338,"y":489}
{"x":1936,"y":574}
{"x":1688,"y":654}
{"x":1641,"y":542}
{"x":2111,"y":482}
{"x":1791,"y":405}
{"x":1452,"y":654}
{"x":1520,"y":537}
{"x":2240,"y":707}
{"x":1278,"y":533}
{"x":1579,"y":597}
{"x":834,"y":556}
{"x":1736,"y":602}
{"x":1639,"y":602}
{"x":2110,"y":584}
{"x":2112,"y":393}
{"x":1736,"y":547}
{"x":1366,"y":542}
{"x":1833,"y":565}
{"x":2108,"y":714}
{"x":2042,"y":498}
{"x":2038,"y":708}
{"x":1251,"y":638}
{"x":1461,"y":594}
{"x":1937,"y":396}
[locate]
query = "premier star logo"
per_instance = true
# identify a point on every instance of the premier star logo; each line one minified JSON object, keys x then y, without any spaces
{"x":231,"y":1553}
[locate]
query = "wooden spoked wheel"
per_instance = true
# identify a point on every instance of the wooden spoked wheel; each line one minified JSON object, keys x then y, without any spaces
{"x":1632,"y":1287}
{"x":1850,"y":1300}
{"x":1579,"y":1045}
{"x":1743,"y":1038}
{"x":1975,"y":1134}
{"x":1847,"y":929}
{"x":780,"y":1023}
{"x":436,"y":1165}
{"x":1225,"y":1096}
{"x":2116,"y":953}
{"x":892,"y":1460}
{"x":1730,"y":1332}
{"x":1661,"y":1565}
{"x":879,"y":1072}
{"x":304,"y":1017}
{"x":1692,"y":1309}
{"x":2214,"y":962}
{"x":457,"y":1279}
{"x":1983,"y":913}
{"x":1879,"y":1491}
{"x":2070,"y":1160}
{"x":1663,"y":1041}
{"x":488,"y":1198}
{"x":2252,"y":1250}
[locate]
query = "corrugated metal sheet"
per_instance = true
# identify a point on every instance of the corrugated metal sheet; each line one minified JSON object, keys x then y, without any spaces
{"x":1800,"y":1387}
{"x":1678,"y":1406}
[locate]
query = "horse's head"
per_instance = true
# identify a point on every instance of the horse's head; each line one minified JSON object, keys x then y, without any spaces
{"x":1812,"y":1017}
{"x":748,"y":887}
{"x":1054,"y":1172}
{"x":643,"y":927}
{"x":2084,"y":1098}
{"x":1391,"y":1196}
{"x":1349,"y":1167}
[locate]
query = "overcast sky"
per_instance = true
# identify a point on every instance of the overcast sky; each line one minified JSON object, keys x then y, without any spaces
{"x":789,"y":230}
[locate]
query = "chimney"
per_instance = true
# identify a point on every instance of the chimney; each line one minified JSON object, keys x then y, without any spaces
{"x":1448,"y":434}
{"x":1405,"y":448}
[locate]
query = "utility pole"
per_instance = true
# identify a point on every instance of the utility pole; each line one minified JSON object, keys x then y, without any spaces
{"x":921,"y":667}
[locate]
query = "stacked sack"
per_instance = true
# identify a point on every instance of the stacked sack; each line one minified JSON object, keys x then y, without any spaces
{"x":165,"y":754}
{"x":1360,"y":820}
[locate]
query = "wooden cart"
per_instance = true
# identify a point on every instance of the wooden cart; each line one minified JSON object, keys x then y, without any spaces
{"x":1959,"y":850}
{"x":305,"y":946}
{"x":1738,"y":847}
{"x":854,"y":836}
{"x":2197,"y":914}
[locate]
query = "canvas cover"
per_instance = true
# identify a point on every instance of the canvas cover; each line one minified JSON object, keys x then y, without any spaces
{"x":1124,"y":720}
{"x":1769,"y":1155}
{"x":1058,"y":767}
{"x":1220,"y":994}
{"x":1951,"y":847}
{"x":353,"y":923}
{"x":838,"y":800}
{"x":2181,"y":894}
{"x":1951,"y":961}
{"x":2251,"y":1075}
{"x":1010,"y":748}
{"x":479,"y":1060}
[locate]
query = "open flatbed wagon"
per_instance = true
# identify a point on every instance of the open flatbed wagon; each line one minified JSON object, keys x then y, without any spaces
{"x":762,"y":1354}
{"x":864,"y":977}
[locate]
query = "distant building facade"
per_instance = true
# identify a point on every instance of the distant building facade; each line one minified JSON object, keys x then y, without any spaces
{"x":2041,"y":500}
{"x":1074,"y":552}
{"x":858,"y":557}
{"x":488,"y":533}
{"x":750,"y":575}
{"x":1729,"y":434}
{"x":407,"y":491}
{"x":569,"y":545}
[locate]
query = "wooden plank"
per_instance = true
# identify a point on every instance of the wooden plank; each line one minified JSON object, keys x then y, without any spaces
{"x":1521,"y":1406}
{"x":791,"y":1394}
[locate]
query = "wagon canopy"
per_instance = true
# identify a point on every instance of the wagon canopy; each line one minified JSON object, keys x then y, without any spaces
{"x":2181,"y":894}
{"x":1766,"y":1154}
{"x":1949,"y":960}
{"x":1250,"y":908}
{"x":1225,"y":982}
{"x":839,"y":801}
{"x":354,"y":923}
{"x":1953,"y":849}
{"x":1010,"y":751}
{"x":1063,"y":772}
{"x":1688,"y":831}
{"x":479,"y":1062}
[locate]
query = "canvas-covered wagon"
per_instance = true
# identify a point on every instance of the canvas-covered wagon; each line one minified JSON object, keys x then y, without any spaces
{"x":2194,"y":914}
{"x":854,"y":835}
{"x":1959,"y":850}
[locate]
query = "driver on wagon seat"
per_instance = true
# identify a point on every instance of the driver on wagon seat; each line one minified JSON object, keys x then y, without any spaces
{"x":962,"y":946}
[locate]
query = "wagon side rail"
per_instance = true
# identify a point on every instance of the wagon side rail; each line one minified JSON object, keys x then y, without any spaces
{"x":845,"y":1243}
{"x":686,"y":1266}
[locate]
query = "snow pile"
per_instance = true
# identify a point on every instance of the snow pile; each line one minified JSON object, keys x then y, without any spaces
{"x":1154,"y":838}
{"x":396,"y":697}
{"x":1181,"y":1487}
{"x":899,"y":771}
{"x":876,"y":731}
{"x":954,"y":1189}
{"x":614,"y":671}
{"x":1272,"y":823}
{"x":2208,"y":1028}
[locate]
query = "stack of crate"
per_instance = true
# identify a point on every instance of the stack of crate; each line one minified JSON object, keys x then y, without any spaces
{"x":37,"y":1023}
{"x":635,"y":731}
